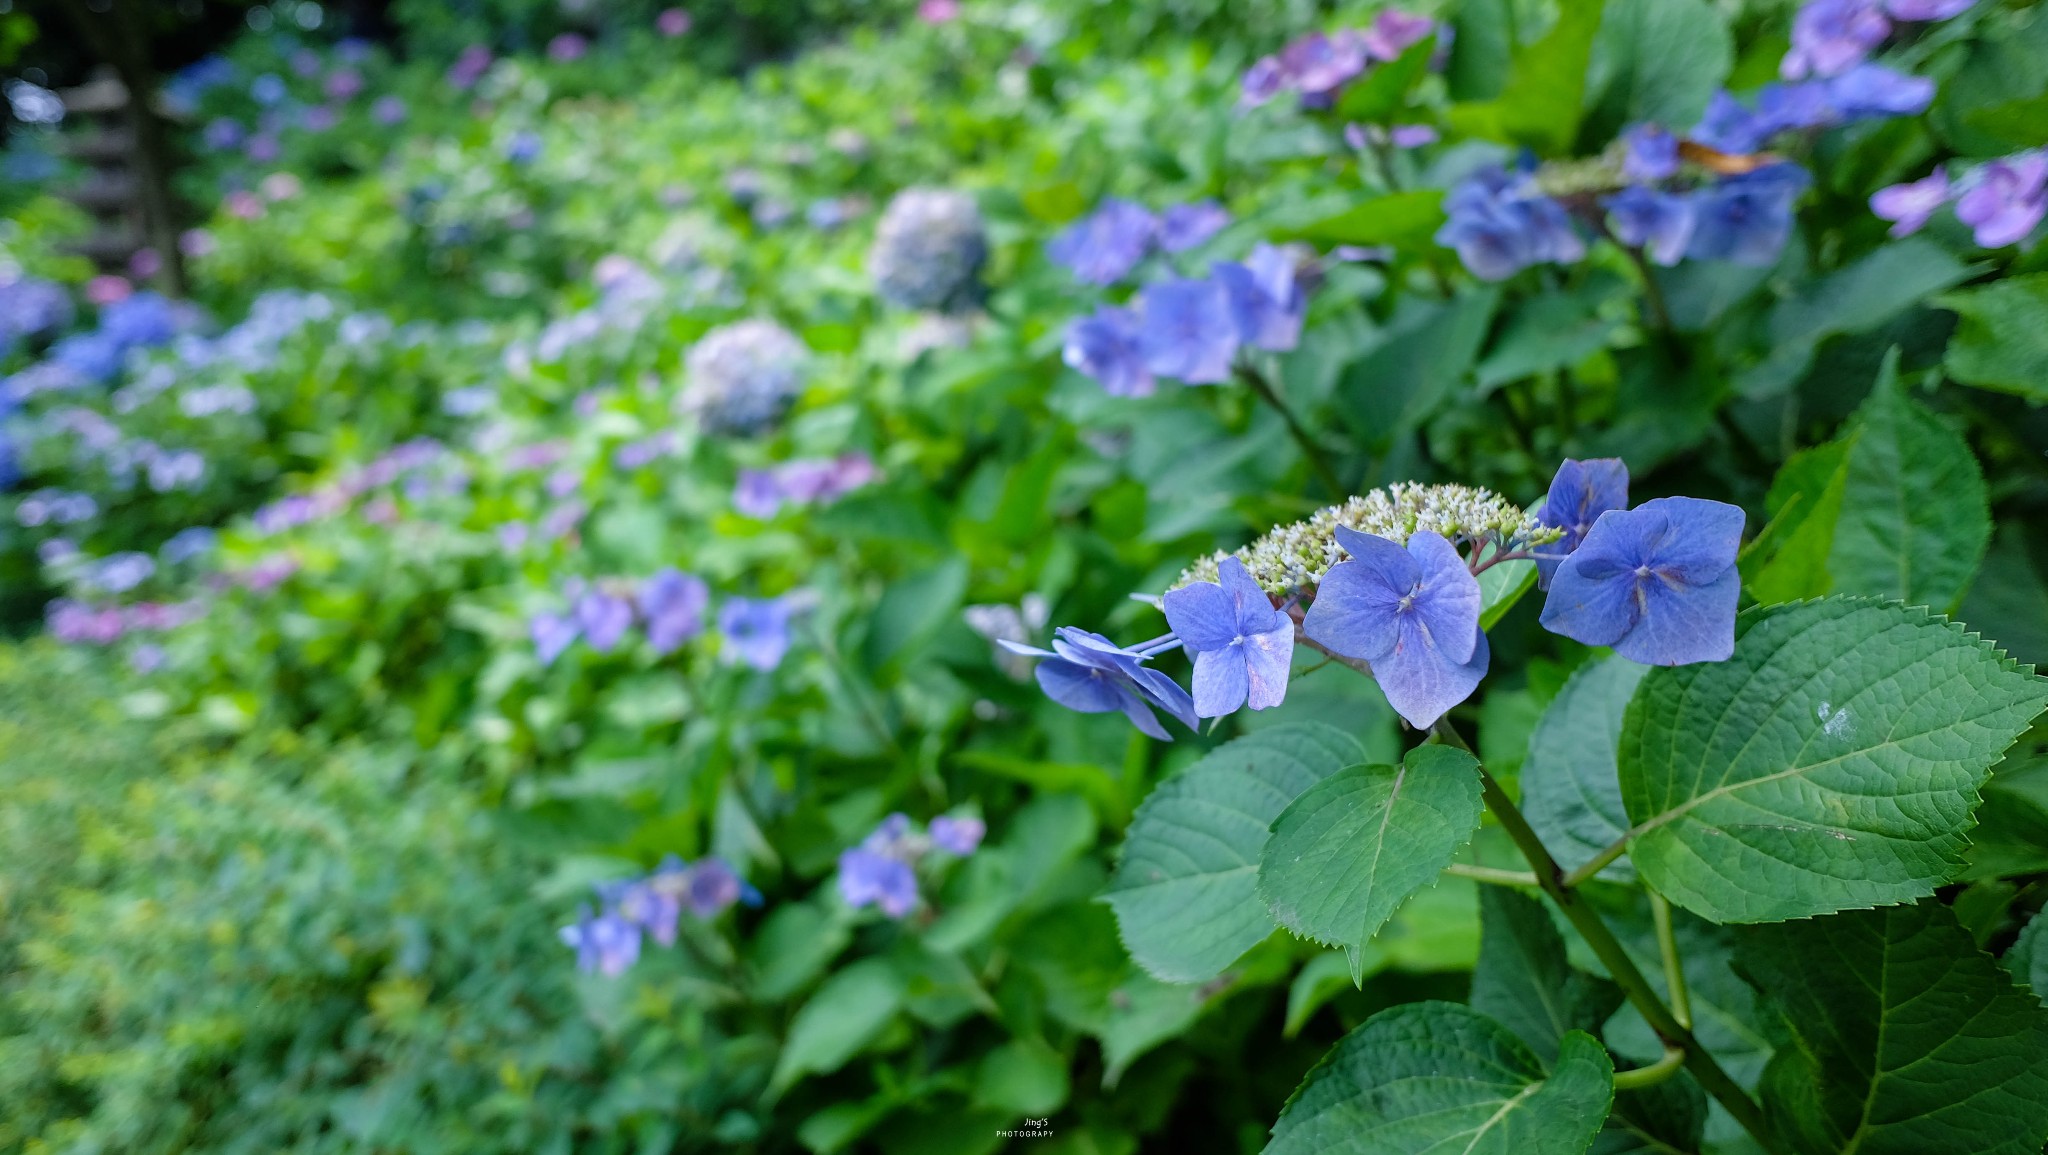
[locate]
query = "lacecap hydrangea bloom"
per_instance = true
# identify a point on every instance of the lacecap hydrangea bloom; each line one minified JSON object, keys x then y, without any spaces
{"x":882,"y":870}
{"x":742,"y":377}
{"x":1388,"y":583}
{"x":929,"y":250}
{"x":607,"y":940}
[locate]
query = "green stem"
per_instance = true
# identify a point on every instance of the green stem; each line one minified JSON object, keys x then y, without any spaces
{"x":1309,"y":448}
{"x":1661,"y":1070}
{"x":1491,"y":875}
{"x":1614,"y":957}
{"x":1600,"y":862}
{"x":1674,"y":970}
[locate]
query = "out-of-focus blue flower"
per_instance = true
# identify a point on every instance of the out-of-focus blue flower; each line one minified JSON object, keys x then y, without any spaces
{"x":1241,"y":645}
{"x":672,"y":603}
{"x":1659,"y":223}
{"x":223,"y":133}
{"x":94,"y":357}
{"x":187,"y":544}
{"x":1187,"y":330}
{"x":568,"y":46}
{"x":1106,"y":346}
{"x":552,"y":634}
{"x":958,"y":836}
{"x":1088,"y":673}
{"x":2006,"y":199}
{"x":267,"y":89}
{"x":524,"y":147}
{"x":1412,"y":613}
{"x":1746,"y":218}
{"x":1832,"y":36}
{"x":118,"y":573}
{"x":1657,"y":582}
{"x":1103,"y":247}
{"x":1874,"y":92}
{"x":1499,"y":226}
{"x":30,"y":306}
{"x":867,"y":878}
{"x":1918,"y":10}
{"x":140,"y":320}
{"x":743,"y":376}
{"x":1908,"y":206}
{"x":1579,"y":493}
{"x":388,"y":110}
{"x":606,"y":944}
{"x":654,"y":903}
{"x":1318,"y":65}
{"x":603,"y":619}
{"x":712,"y":886}
{"x":1182,"y":227}
{"x":1263,"y":81}
{"x":1649,"y":154}
{"x":929,"y":250}
{"x":756,"y":630}
{"x":1266,"y":299}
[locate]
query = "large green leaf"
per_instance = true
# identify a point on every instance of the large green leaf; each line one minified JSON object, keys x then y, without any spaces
{"x":2000,"y":342}
{"x":847,"y":1012}
{"x":1788,"y":561}
{"x":1523,"y":980}
{"x":1854,"y":299}
{"x":1571,"y":791}
{"x":1542,"y":101}
{"x":1186,"y":892}
{"x":1658,"y":61}
{"x":1354,"y":846}
{"x":1405,"y":379}
{"x":1443,"y":1078}
{"x":1911,"y":1039}
{"x":1831,"y":763}
{"x":2028,"y":958}
{"x":1402,"y":218}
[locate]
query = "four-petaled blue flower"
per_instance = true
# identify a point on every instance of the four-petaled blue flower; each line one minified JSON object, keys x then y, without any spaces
{"x":1579,"y":493}
{"x":1412,"y":613}
{"x":756,"y":630}
{"x":1188,"y":330}
{"x":1103,"y":247}
{"x":1106,"y":347}
{"x":1089,"y":673}
{"x":1500,"y":226}
{"x":1265,"y":297}
{"x":673,"y":604}
{"x":604,"y":619}
{"x":1657,"y":582}
{"x":957,"y":836}
{"x":605,"y":944}
{"x":1659,"y":223}
{"x":1747,"y":219}
{"x":1182,"y":227}
{"x":1241,"y":644}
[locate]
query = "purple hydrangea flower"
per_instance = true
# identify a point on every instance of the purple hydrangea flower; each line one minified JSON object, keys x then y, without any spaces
{"x":1188,"y":330}
{"x":223,"y":133}
{"x":1263,"y":81}
{"x":568,"y":46}
{"x":1412,"y":135}
{"x":603,"y":619}
{"x":1579,"y":493}
{"x":1182,"y":227}
{"x":1394,"y":32}
{"x":1657,"y":582}
{"x":672,"y":603}
{"x":653,"y":903}
{"x":1106,"y":347}
{"x":1918,"y":10}
{"x":1089,"y":673}
{"x":1874,"y":92}
{"x":1266,"y":300}
{"x":711,"y":886}
{"x":1412,"y":613}
{"x":2006,"y":199}
{"x":1830,"y":37}
{"x":1241,"y":644}
{"x":552,"y":634}
{"x":1649,"y":154}
{"x":1320,"y":65}
{"x":606,"y":944}
{"x":1659,"y":223}
{"x":1103,"y":247}
{"x":1747,"y":218}
{"x":756,"y":630}
{"x":958,"y":836}
{"x":1499,"y":228}
{"x":757,"y":494}
{"x":1908,"y":206}
{"x":388,"y":110}
{"x":870,"y":879}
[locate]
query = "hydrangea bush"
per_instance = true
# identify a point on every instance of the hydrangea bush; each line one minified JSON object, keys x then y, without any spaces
{"x":1150,"y":576}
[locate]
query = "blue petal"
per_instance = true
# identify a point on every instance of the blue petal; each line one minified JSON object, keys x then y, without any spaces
{"x":1141,"y":716}
{"x":1682,"y":624}
{"x":1166,"y":694}
{"x":1221,"y":682}
{"x":1267,"y":658}
{"x":1202,"y":615}
{"x":1079,"y":688}
{"x":1448,"y":600}
{"x":1358,"y":601}
{"x":1251,"y":610}
{"x":1422,"y":683}
{"x":1701,"y":540}
{"x":1592,"y":600}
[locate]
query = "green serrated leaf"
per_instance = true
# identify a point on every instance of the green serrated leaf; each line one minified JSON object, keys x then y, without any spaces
{"x":1831,"y":763}
{"x":1438,"y":1077}
{"x":1523,"y":980}
{"x":1880,"y":285}
{"x":1999,"y":341}
{"x":1663,"y":1119}
{"x":1186,"y":891}
{"x":1788,"y":561}
{"x":1911,"y":1039}
{"x":2028,"y":959}
{"x":1353,"y":847}
{"x":1571,"y":791}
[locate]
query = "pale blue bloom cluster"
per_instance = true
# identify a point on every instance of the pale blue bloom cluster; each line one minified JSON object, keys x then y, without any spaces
{"x":2002,"y":200}
{"x":607,"y":940}
{"x":1193,"y":330}
{"x":882,"y":870}
{"x":929,"y":250}
{"x":742,"y":377}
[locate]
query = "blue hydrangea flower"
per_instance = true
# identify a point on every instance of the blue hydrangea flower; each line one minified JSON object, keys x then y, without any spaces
{"x":1747,"y":218}
{"x":1659,"y":223}
{"x":1649,"y":154}
{"x":653,"y":903}
{"x":606,"y":944}
{"x":1106,"y":347}
{"x":1909,"y":205}
{"x":552,"y":634}
{"x":1182,"y":227}
{"x":1729,"y":126}
{"x":2006,"y":199}
{"x":1927,"y":9}
{"x":1103,"y":247}
{"x":1412,"y":613}
{"x":1241,"y":644}
{"x":187,"y":544}
{"x":1832,"y":36}
{"x":711,"y":886}
{"x":958,"y":836}
{"x":756,"y":630}
{"x":1499,"y":227}
{"x":1188,"y":330}
{"x":1093,"y":675}
{"x":870,"y":879}
{"x":672,"y":603}
{"x":1266,"y":300}
{"x":1579,"y":493}
{"x":1657,"y":582}
{"x":1874,"y":92}
{"x":929,"y":249}
{"x":604,"y":619}
{"x":743,"y":376}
